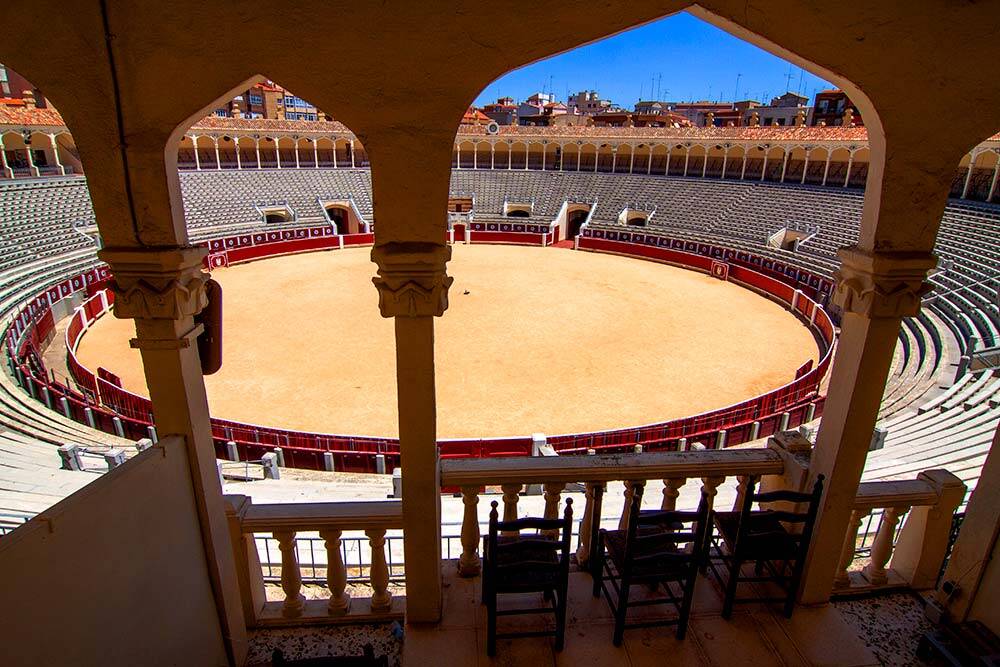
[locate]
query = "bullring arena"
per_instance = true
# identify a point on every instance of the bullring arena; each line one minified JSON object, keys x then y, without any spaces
{"x":538,"y":340}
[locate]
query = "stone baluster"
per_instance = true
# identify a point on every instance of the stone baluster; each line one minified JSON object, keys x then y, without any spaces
{"x":671,"y":490}
{"x":336,"y":574}
{"x":586,"y":521}
{"x":742,"y":481}
{"x":291,"y":577}
{"x":469,"y":564}
{"x":710,"y":487}
{"x":510,"y":498}
{"x":379,"y":572}
{"x":553,"y":490}
{"x":629,"y":493}
{"x":882,"y":546}
{"x":842,"y":579}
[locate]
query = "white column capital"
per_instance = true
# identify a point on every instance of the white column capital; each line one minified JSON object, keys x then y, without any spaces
{"x":412,"y":279}
{"x":161,"y":284}
{"x":882,"y":284}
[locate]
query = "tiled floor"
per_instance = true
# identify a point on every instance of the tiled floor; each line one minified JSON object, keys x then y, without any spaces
{"x":756,"y":635}
{"x":891,"y":626}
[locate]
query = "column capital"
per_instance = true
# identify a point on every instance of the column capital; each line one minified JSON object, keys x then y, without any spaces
{"x":412,"y":279}
{"x":157,"y":283}
{"x":882,"y":284}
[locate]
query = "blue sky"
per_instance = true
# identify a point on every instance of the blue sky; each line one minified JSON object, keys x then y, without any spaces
{"x":681,"y":56}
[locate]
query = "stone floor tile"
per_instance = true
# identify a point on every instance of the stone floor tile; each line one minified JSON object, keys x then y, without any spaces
{"x":734,"y":642}
{"x":656,"y":647}
{"x":441,"y":648}
{"x":824,"y":638}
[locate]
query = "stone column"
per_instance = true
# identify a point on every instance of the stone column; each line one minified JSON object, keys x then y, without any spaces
{"x":239,"y":160}
{"x":315,"y":144}
{"x":162,"y":289}
{"x":993,"y":181}
{"x":197,"y":160}
{"x":256,"y":145}
{"x":805,"y":168}
{"x":784,"y":165}
{"x":413,"y":288}
{"x":968,"y":175}
{"x":218,"y":162}
{"x":352,"y":153}
{"x":277,"y":150}
{"x":55,"y":154}
{"x":826,"y":169}
{"x":31,"y":159}
{"x":297,"y":153}
{"x":850,"y":163}
{"x":875,"y":290}
{"x":8,"y":172}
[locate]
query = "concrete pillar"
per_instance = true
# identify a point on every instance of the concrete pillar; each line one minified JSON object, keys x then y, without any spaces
{"x":805,"y":168}
{"x":46,"y":397}
{"x":232,"y":451}
{"x":31,"y":160}
{"x":279,"y":456}
{"x":315,"y":152}
{"x":850,"y":163}
{"x":993,"y":181}
{"x":88,"y":414}
{"x":143,"y":444}
{"x":682,"y":445}
{"x":197,"y":160}
{"x":328,"y":462}
{"x":968,"y":177}
{"x":162,"y":289}
{"x":277,"y":150}
{"x":119,"y":427}
{"x":754,"y":430}
{"x":687,"y":157}
{"x":218,"y":161}
{"x":272,"y":469}
{"x":69,"y":454}
{"x":64,"y":404}
{"x":239,"y":161}
{"x":55,"y":154}
{"x":6,"y":170}
{"x":720,"y":439}
{"x":352,"y":154}
{"x":763,"y":167}
{"x":784,"y":166}
{"x":114,"y":457}
{"x":826,"y":169}
{"x":401,"y":268}
{"x":151,"y":432}
{"x":875,"y":291}
{"x":256,"y":147}
{"x":297,"y":163}
{"x":380,"y":464}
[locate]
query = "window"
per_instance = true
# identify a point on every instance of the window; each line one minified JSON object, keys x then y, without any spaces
{"x":289,"y":101}
{"x":256,"y":99}
{"x":221,"y":113}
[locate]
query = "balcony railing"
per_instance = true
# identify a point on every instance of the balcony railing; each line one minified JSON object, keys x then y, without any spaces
{"x":907,"y":556}
{"x":287,"y":524}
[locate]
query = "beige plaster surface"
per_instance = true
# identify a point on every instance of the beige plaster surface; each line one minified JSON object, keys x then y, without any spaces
{"x":535,"y":339}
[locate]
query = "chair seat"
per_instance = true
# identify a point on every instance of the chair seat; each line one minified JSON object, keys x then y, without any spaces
{"x":665,"y":568}
{"x":766,"y":539}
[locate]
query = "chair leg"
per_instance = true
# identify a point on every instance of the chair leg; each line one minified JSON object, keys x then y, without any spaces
{"x":682,"y":620}
{"x":620,"y":612}
{"x":734,"y":578}
{"x":491,"y":626}
{"x":597,"y":574}
{"x":561,"y":621}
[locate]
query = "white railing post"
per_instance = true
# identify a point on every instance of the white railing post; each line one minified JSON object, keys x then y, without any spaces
{"x":510,"y":498}
{"x":671,"y":490}
{"x":553,"y":491}
{"x":469,"y":564}
{"x":629,"y":493}
{"x":291,"y":577}
{"x":882,"y":546}
{"x":843,"y":578}
{"x":586,"y":521}
{"x":336,"y":574}
{"x":379,"y":572}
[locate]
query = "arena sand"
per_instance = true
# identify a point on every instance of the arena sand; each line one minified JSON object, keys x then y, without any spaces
{"x":535,"y":340}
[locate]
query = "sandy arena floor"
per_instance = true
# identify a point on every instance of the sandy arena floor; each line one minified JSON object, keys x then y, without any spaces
{"x":535,"y":339}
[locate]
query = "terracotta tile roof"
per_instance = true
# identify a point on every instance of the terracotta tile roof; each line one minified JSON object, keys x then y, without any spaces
{"x":771,"y":133}
{"x":218,"y":124}
{"x":15,"y":112}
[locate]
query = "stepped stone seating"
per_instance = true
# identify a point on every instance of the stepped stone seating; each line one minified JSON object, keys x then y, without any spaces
{"x":929,"y":423}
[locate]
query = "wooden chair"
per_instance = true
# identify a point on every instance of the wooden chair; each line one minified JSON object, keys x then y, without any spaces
{"x":764,"y":537}
{"x":657,"y":548}
{"x":533,"y":563}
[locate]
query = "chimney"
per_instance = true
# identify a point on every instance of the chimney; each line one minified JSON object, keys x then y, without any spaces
{"x":754,"y":119}
{"x":800,"y":118}
{"x":709,"y":119}
{"x":237,"y":112}
{"x":848,"y":117}
{"x":29,"y":99}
